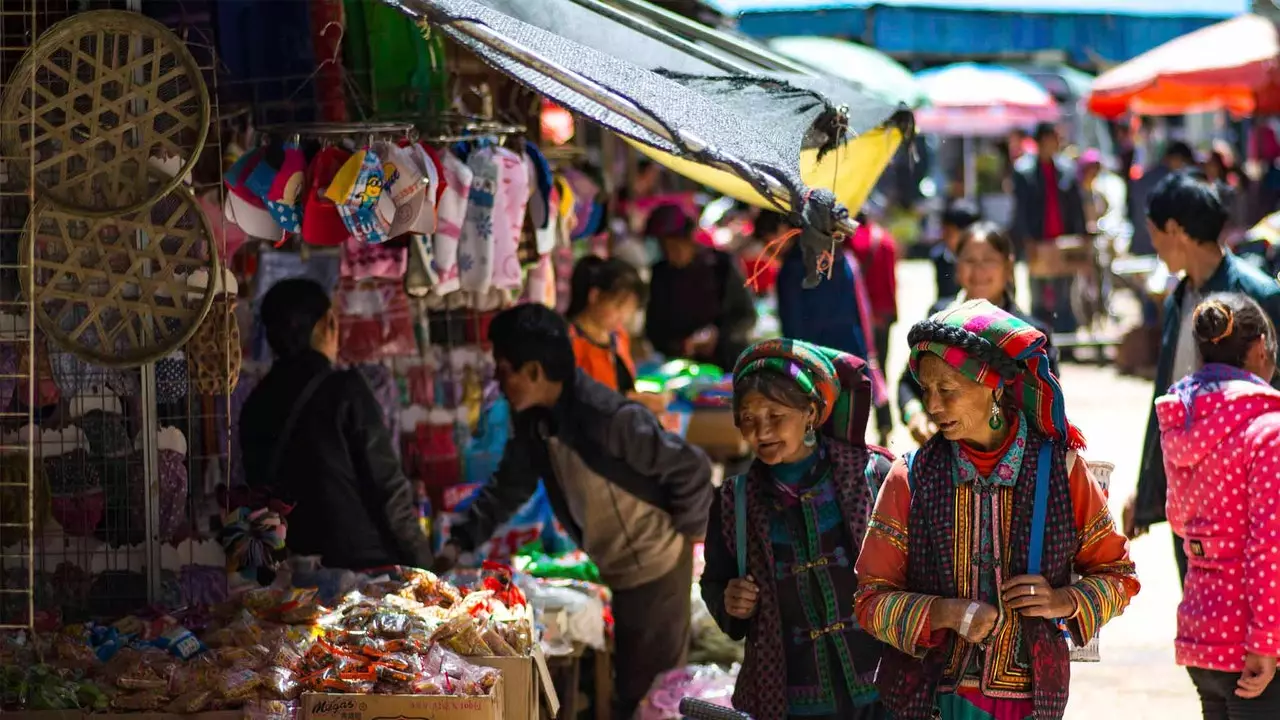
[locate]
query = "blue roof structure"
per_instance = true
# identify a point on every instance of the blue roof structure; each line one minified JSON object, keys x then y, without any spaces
{"x":1086,"y":30}
{"x":1145,"y":8}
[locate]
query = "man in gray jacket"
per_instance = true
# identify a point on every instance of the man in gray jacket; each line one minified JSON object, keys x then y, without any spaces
{"x":633,"y":496}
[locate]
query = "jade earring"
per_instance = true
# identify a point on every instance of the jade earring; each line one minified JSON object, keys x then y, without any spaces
{"x":997,"y":419}
{"x":810,"y":437}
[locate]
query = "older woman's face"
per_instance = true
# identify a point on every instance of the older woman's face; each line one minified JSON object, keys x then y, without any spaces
{"x":960,"y":407}
{"x":773,"y":430}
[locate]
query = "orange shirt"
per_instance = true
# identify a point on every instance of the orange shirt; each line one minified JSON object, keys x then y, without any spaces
{"x":603,"y":362}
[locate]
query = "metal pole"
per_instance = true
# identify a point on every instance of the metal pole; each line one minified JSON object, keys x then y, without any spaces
{"x":150,"y":426}
{"x":667,"y":38}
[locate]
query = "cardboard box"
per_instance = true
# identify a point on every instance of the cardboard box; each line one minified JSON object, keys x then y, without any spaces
{"x":713,"y":430}
{"x":526,"y":685}
{"x":325,"y":706}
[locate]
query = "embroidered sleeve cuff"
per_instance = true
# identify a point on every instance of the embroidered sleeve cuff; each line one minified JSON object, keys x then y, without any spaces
{"x":901,"y":619}
{"x":1098,"y":598}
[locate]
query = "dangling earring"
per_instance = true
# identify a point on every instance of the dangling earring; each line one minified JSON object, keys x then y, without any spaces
{"x":810,"y":437}
{"x":997,"y":419}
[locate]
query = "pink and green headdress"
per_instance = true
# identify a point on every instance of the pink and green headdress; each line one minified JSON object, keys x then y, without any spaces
{"x":996,"y":349}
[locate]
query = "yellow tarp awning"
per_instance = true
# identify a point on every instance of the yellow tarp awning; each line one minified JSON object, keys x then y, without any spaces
{"x":851,"y":171}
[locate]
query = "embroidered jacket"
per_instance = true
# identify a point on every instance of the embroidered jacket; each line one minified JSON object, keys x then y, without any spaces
{"x":938,"y":535}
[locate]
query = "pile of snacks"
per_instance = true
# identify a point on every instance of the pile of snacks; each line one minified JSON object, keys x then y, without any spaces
{"x":401,"y":634}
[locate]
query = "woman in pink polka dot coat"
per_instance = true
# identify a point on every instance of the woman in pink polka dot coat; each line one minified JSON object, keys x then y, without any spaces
{"x":1220,"y":431}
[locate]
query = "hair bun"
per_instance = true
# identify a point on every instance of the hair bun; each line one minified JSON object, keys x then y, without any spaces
{"x":1213,"y":322}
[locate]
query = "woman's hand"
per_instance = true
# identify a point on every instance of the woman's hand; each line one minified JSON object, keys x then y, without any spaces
{"x":950,"y":614}
{"x":921,"y":427}
{"x":1033,"y":596}
{"x":1259,"y":671}
{"x":741,"y":597}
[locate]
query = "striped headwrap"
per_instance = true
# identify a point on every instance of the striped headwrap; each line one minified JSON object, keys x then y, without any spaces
{"x":996,"y":349}
{"x":835,"y":381}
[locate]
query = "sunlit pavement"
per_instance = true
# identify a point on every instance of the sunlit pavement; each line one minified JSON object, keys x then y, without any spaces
{"x":1137,"y":678}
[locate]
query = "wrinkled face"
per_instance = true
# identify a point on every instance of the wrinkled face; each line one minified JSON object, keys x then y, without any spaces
{"x":1170,"y":243}
{"x":960,"y":407}
{"x":773,"y":430}
{"x":984,"y":272}
{"x":522,"y":387}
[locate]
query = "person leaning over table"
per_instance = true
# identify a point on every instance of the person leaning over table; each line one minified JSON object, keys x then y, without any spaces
{"x":984,"y":269}
{"x":631,"y":495}
{"x":946,"y":576}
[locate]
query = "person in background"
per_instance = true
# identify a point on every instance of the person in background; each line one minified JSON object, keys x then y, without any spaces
{"x":836,"y":314}
{"x":699,"y":305}
{"x":1185,"y":217}
{"x":1220,"y":428}
{"x":315,"y":437}
{"x":957,"y":218}
{"x":806,"y":499}
{"x":877,"y":253}
{"x":1178,"y":156}
{"x":604,"y":297}
{"x":1233,"y":186}
{"x":1047,"y":205}
{"x":947,"y":576}
{"x":631,"y":495}
{"x":985,"y":269}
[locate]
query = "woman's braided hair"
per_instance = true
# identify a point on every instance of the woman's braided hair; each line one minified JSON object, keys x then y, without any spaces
{"x":931,"y":331}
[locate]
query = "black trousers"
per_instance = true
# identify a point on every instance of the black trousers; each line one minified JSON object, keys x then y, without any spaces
{"x":651,"y":630}
{"x":1219,"y":702}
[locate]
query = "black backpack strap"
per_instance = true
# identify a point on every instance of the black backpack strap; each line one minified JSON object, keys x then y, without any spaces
{"x":300,"y":404}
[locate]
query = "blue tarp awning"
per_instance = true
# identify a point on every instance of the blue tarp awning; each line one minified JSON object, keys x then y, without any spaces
{"x":1087,"y":30}
{"x":1147,"y":8}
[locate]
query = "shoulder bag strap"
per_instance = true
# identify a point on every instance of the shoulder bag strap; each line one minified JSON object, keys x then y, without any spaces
{"x":277,"y":455}
{"x":740,"y":521}
{"x":1041,"y":507}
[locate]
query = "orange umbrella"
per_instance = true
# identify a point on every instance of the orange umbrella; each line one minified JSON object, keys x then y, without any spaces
{"x":1233,"y":65}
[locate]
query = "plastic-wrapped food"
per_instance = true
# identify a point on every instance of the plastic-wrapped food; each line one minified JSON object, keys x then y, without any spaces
{"x":142,"y":677}
{"x":238,"y":684}
{"x":391,"y":625}
{"x":190,"y":702}
{"x":459,"y":634}
{"x":281,"y":683}
{"x":270,"y":709}
{"x":286,"y":655}
{"x":498,"y":645}
{"x":139,"y":701}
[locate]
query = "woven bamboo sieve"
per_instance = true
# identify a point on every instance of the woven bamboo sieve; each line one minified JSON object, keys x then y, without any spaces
{"x":112,"y":89}
{"x":114,"y":290}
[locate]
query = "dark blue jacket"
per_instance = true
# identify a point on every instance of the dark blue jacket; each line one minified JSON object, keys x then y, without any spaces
{"x":1233,"y":275}
{"x":828,"y":314}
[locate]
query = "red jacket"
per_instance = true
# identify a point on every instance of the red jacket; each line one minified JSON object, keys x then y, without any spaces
{"x":877,"y":253}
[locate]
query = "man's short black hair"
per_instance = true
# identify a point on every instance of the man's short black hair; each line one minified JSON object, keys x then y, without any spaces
{"x":290,"y":311}
{"x":1193,"y":202}
{"x":1046,"y":129}
{"x":769,"y":223}
{"x":1182,"y":151}
{"x":533,"y":333}
{"x":961,"y":214}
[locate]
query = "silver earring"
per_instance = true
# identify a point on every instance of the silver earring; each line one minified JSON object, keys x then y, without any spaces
{"x":810,"y":437}
{"x":997,"y":419}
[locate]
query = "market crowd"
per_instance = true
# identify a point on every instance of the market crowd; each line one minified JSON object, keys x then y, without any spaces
{"x":957,"y":580}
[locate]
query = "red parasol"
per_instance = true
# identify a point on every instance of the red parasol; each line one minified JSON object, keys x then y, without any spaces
{"x":1233,"y":65}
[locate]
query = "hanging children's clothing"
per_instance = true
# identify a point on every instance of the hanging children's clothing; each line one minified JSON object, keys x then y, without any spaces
{"x":451,"y":214}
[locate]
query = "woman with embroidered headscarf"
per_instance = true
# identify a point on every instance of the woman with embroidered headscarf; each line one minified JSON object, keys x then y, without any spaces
{"x":782,"y":540}
{"x":967,"y":568}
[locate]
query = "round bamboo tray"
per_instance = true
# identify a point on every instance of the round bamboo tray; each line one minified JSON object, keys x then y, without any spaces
{"x":110,"y":90}
{"x":114,"y":291}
